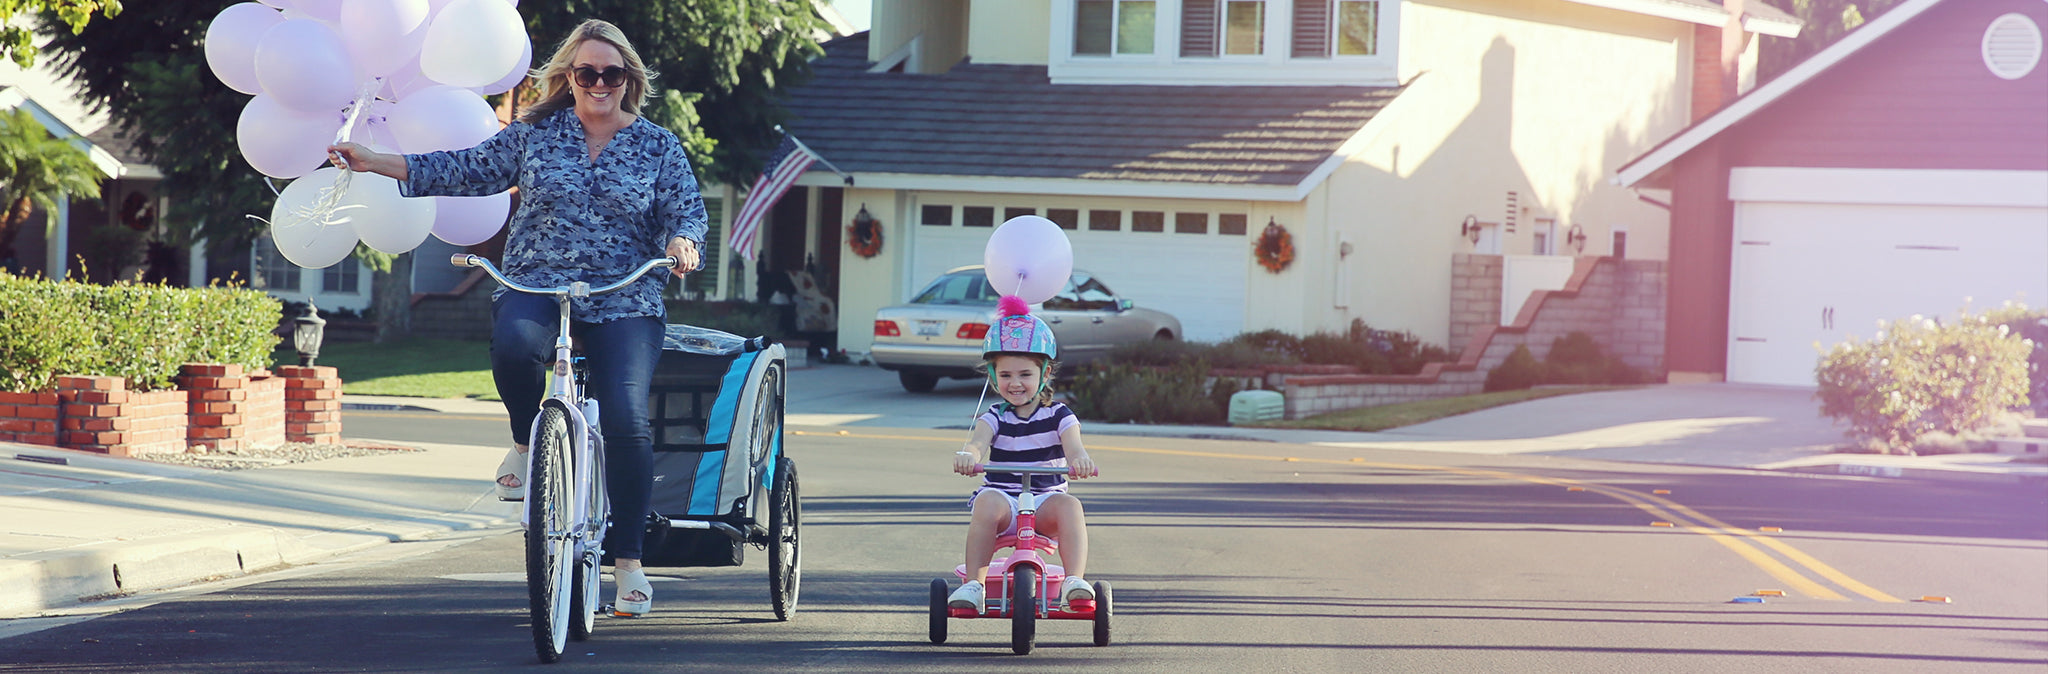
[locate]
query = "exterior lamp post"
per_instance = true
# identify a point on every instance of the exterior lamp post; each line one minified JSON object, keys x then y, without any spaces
{"x":307,"y":331}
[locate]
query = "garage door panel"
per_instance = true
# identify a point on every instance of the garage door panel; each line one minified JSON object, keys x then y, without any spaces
{"x":1807,"y":273}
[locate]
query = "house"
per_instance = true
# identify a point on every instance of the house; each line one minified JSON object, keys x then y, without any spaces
{"x":1395,"y":142}
{"x":50,"y":244}
{"x":1901,"y":171}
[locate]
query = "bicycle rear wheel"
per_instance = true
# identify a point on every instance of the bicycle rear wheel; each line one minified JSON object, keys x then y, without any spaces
{"x":549,"y":544}
{"x":585,"y":586}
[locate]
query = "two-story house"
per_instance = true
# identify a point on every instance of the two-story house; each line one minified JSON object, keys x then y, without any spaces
{"x":1391,"y":139}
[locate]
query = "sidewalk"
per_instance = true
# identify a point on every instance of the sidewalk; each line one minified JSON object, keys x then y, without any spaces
{"x":79,"y":525}
{"x":82,"y":525}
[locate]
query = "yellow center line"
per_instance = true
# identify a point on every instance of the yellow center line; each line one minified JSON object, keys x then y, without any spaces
{"x":1713,"y":529}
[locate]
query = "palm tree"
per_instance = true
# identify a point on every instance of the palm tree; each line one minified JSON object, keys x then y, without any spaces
{"x":37,"y":169}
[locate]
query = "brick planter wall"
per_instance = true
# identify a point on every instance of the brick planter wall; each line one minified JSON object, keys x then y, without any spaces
{"x":312,"y":403}
{"x":29,"y":417}
{"x":1475,"y":295}
{"x":1619,"y":302}
{"x":100,"y":414}
{"x":231,"y":410}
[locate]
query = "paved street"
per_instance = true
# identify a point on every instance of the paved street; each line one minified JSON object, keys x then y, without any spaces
{"x":1225,"y":556}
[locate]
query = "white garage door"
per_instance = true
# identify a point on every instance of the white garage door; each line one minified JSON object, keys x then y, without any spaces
{"x":1809,"y":275}
{"x":1199,"y":278}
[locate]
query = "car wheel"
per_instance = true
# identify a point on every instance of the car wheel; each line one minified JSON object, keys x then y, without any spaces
{"x":1163,"y":336}
{"x":917,"y":382}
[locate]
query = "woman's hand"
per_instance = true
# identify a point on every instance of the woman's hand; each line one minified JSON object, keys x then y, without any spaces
{"x":1079,"y":467}
{"x":353,"y":157}
{"x":685,"y":253}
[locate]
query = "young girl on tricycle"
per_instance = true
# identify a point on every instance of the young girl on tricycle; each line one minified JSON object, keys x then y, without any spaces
{"x":1028,"y":430}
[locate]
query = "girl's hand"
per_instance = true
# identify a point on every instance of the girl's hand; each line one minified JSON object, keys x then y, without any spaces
{"x":685,"y":253}
{"x":1080,"y":467}
{"x":964,"y":460}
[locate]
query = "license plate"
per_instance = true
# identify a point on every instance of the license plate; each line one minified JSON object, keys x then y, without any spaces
{"x":930,"y":328}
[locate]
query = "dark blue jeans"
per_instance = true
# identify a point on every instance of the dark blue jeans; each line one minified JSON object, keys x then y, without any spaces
{"x":620,"y":355}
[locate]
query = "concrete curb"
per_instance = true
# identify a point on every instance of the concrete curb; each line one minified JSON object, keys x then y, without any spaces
{"x":35,"y":583}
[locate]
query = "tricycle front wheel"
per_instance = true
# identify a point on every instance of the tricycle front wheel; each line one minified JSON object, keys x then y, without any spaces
{"x":939,"y":613}
{"x":1023,"y":609}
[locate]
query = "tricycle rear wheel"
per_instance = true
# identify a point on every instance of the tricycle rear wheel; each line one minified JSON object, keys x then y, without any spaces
{"x":1102,"y":613}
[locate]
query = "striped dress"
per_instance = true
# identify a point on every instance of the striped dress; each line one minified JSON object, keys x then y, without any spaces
{"x":1034,"y":441}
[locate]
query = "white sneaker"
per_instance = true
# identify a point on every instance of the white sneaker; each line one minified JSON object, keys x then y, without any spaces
{"x":970,"y":595}
{"x":1076,"y":589}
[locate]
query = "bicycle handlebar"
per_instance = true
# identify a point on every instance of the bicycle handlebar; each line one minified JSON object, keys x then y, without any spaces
{"x":1020,"y":470}
{"x":577,"y":289}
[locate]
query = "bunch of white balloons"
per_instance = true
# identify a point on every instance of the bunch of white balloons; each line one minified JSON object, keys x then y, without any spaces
{"x":401,"y":76}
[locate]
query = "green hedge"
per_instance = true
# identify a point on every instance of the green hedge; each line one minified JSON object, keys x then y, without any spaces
{"x":1575,"y":359}
{"x":141,"y":333}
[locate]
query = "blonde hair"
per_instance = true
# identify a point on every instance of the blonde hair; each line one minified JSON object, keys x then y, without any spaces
{"x":553,"y":78}
{"x":1047,"y":367}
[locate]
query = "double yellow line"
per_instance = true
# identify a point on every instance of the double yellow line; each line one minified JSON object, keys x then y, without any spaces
{"x":1742,"y":541}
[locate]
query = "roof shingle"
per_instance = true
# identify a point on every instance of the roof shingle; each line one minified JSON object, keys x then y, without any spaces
{"x":1012,"y":121}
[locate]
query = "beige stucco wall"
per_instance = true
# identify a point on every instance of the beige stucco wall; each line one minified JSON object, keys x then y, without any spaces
{"x":1009,"y":32}
{"x":940,"y":25}
{"x":868,"y":284}
{"x":1543,"y":98}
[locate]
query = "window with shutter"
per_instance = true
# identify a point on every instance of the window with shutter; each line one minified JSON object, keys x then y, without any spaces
{"x":1244,"y":27}
{"x":1105,"y":27}
{"x":1358,"y":27}
{"x":1311,"y":29}
{"x":1198,"y":28}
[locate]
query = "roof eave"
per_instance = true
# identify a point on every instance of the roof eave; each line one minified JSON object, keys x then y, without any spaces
{"x":1678,"y":145}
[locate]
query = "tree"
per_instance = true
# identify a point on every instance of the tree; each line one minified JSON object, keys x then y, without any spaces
{"x":37,"y":169}
{"x":18,"y":44}
{"x":1826,"y":21}
{"x":723,"y":66}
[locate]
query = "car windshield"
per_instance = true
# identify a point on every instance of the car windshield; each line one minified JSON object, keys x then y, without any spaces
{"x":961,"y":288}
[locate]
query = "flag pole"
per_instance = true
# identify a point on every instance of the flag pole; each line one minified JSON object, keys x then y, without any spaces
{"x":821,"y":158}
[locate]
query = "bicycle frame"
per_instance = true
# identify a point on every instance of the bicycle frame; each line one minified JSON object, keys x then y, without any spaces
{"x":582,"y":531}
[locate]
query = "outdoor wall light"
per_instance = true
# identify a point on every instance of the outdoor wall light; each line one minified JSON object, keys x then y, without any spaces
{"x":307,"y":331}
{"x":1576,"y":236}
{"x":863,"y":219}
{"x":1470,"y":229}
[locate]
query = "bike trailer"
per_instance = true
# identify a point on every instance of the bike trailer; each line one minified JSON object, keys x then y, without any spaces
{"x":716,"y":406}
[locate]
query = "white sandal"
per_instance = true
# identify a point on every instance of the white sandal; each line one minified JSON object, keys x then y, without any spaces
{"x":514,"y":466}
{"x":628,"y":582}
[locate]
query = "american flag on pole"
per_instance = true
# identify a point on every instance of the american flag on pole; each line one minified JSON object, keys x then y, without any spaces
{"x":788,"y":162}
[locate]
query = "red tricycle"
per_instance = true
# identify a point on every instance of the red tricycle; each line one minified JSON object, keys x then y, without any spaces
{"x":1023,"y":580}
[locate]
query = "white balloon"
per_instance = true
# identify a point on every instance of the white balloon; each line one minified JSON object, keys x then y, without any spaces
{"x":511,"y":79}
{"x":280,"y":4}
{"x":309,"y":243}
{"x":324,"y":10}
{"x":472,"y":43}
{"x":383,"y":35}
{"x":231,"y":44}
{"x":280,"y":142}
{"x":467,"y":221}
{"x":442,"y":118}
{"x":1030,"y":257}
{"x":304,"y":64}
{"x":405,"y":81}
{"x":383,"y":219}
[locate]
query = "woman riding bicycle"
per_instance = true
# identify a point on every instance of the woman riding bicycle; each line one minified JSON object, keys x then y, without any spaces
{"x":601,"y":190}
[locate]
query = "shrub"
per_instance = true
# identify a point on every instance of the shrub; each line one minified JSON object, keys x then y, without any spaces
{"x":1271,"y":341}
{"x":1121,"y":393}
{"x":2031,"y":325}
{"x":1324,"y":348}
{"x":1518,"y":372}
{"x":1576,"y":359}
{"x":1917,"y":377}
{"x":141,"y":333}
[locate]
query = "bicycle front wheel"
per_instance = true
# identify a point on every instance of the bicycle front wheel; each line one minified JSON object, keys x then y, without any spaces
{"x":549,"y":534}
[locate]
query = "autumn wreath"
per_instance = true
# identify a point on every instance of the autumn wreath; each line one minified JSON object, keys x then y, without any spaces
{"x":865,"y":234}
{"x":1275,"y":249}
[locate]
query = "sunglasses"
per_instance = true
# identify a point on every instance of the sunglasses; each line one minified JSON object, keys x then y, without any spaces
{"x":587,"y":77}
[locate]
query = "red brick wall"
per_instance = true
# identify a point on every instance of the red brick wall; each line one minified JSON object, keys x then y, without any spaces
{"x":233,"y":410}
{"x":100,"y":414}
{"x":29,"y":417}
{"x":1706,"y":71}
{"x":312,"y":404}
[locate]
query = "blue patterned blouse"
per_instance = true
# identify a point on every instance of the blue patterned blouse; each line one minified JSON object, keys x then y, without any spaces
{"x":578,"y":220}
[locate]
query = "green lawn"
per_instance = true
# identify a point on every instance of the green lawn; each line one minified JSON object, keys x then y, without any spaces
{"x":1407,"y":414}
{"x":421,"y":368}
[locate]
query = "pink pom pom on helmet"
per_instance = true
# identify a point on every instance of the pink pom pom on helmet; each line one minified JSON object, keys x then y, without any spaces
{"x":1012,"y":305}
